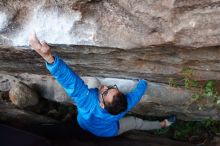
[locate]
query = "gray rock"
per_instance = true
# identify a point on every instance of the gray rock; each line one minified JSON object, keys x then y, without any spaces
{"x":113,"y":23}
{"x":136,"y":39}
{"x":159,"y":99}
{"x":22,"y":96}
{"x":153,"y":40}
{"x":10,"y":114}
{"x":1,"y":94}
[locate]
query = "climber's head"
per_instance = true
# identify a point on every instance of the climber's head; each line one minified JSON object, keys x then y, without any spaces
{"x":112,"y":100}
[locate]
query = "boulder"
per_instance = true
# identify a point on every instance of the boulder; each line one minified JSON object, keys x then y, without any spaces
{"x":22,"y":96}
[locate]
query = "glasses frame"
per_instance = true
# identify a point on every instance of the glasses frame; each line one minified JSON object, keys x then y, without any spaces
{"x":106,"y":92}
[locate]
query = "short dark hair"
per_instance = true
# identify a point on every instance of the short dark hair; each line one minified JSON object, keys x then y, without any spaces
{"x":118,"y":104}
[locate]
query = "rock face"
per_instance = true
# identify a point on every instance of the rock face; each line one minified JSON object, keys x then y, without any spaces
{"x":18,"y":117}
{"x":159,"y":99}
{"x":136,"y":39}
{"x":154,"y":40}
{"x":22,"y":95}
{"x":113,"y":23}
{"x":154,"y":64}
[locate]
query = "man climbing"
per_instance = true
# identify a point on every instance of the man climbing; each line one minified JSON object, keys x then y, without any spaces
{"x":100,"y":111}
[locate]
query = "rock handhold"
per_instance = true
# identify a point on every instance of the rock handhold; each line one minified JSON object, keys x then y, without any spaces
{"x":22,"y":95}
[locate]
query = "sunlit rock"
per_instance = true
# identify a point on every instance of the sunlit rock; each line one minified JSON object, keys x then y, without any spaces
{"x":3,"y":20}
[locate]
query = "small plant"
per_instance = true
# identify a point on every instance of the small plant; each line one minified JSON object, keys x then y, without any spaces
{"x":187,"y":83}
{"x":195,"y":83}
{"x":197,"y":96}
{"x":183,"y":130}
{"x":187,"y":72}
{"x":208,"y":123}
{"x":162,"y":131}
{"x":172,"y":82}
{"x":207,"y":91}
{"x":210,"y":89}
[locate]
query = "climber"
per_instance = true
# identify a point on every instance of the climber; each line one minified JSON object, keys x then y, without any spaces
{"x":101,"y":110}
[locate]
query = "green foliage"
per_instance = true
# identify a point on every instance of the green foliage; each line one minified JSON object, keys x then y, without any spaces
{"x":162,"y":131}
{"x":197,"y":96}
{"x":187,"y":72}
{"x":209,"y":123}
{"x":207,"y":91}
{"x":210,"y":89}
{"x":182,"y":130}
{"x":187,"y":83}
{"x":172,"y":82}
{"x":194,"y":83}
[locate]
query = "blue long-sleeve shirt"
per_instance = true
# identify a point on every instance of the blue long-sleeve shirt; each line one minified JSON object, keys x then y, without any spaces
{"x":91,"y":116}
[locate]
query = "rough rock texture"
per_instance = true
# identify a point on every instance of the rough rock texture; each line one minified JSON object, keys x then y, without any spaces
{"x":141,"y":39}
{"x":22,"y":96}
{"x":155,"y":64}
{"x":108,"y":39}
{"x":159,"y":100}
{"x":149,"y":39}
{"x":18,"y":117}
{"x":113,"y":23}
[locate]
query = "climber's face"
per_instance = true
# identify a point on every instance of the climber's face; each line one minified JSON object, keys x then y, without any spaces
{"x":106,"y":94}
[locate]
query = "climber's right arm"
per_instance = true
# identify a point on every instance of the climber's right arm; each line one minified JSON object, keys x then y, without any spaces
{"x":69,"y":80}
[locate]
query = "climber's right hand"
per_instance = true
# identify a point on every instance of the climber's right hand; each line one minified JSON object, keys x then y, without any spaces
{"x":43,"y":49}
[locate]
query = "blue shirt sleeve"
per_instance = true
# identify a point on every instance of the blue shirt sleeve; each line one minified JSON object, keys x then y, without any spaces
{"x":71,"y":82}
{"x":135,"y":95}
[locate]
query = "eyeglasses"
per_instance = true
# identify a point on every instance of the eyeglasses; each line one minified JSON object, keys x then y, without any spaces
{"x":106,"y":91}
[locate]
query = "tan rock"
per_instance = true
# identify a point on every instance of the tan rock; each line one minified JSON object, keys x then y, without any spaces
{"x":22,"y":95}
